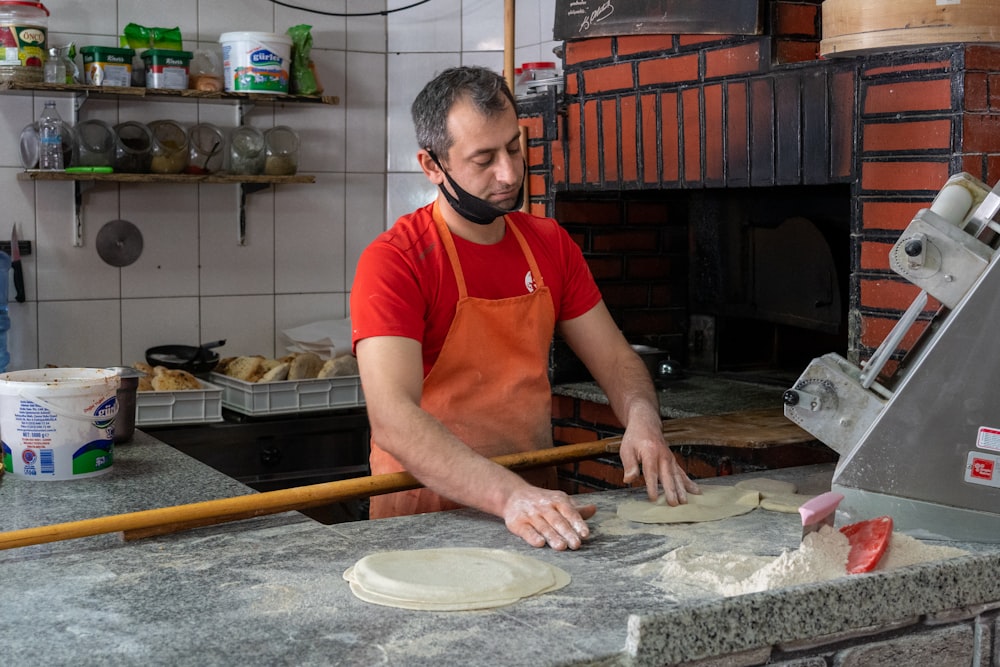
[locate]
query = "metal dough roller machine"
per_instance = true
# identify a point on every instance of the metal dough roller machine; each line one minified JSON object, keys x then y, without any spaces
{"x":924,"y":447}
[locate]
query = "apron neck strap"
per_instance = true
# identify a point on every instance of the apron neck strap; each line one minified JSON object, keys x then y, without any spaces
{"x":452,"y":252}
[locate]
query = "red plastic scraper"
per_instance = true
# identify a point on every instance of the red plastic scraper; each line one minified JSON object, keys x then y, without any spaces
{"x":869,"y":540}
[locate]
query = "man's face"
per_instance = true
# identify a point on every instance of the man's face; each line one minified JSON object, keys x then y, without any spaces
{"x":485,"y":156}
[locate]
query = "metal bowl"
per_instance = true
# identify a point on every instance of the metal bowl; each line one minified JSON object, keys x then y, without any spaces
{"x":198,"y":360}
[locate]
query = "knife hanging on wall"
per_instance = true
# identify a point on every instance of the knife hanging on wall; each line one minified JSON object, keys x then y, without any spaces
{"x":15,"y":264}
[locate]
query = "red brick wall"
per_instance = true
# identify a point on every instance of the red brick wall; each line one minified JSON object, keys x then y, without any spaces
{"x":672,"y":112}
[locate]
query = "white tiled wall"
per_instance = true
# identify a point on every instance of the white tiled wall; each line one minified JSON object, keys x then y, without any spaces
{"x":193,"y":281}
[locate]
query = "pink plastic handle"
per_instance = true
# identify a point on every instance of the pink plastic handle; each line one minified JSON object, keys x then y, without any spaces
{"x":816,"y":509}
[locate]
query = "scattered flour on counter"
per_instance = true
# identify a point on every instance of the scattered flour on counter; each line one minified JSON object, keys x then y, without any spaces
{"x":821,"y":556}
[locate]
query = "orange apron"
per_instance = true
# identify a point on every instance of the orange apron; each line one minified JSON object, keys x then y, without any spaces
{"x":489,"y":385}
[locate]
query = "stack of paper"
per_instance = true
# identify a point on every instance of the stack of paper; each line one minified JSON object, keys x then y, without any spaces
{"x":327,"y":338}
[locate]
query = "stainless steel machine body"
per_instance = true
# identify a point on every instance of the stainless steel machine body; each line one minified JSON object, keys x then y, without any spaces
{"x":927,"y":450}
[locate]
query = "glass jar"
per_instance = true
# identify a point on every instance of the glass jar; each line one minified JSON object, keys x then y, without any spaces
{"x":133,"y":147}
{"x":55,"y":66}
{"x":205,"y":142}
{"x":246,"y":151}
{"x":281,"y":145}
{"x":95,"y":143}
{"x":170,"y":147}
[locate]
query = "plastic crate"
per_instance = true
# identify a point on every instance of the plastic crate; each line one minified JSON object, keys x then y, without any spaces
{"x":187,"y":406}
{"x":282,"y":397}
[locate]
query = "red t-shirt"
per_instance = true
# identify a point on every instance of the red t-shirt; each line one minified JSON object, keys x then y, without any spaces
{"x":404,"y":284}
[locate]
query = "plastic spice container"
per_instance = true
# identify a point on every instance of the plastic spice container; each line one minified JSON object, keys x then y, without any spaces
{"x":133,"y":147}
{"x":107,"y":66}
{"x":166,"y":68}
{"x":537,"y":72}
{"x":95,"y":141}
{"x":170,"y":147}
{"x":206,"y":149}
{"x":281,"y":145}
{"x":246,"y":151}
{"x":23,"y":32}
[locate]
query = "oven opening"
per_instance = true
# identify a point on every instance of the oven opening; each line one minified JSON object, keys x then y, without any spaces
{"x":750,"y":282}
{"x":770,"y":279}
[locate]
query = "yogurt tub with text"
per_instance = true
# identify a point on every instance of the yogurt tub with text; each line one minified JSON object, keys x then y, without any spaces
{"x":256,"y":62}
{"x":58,"y":423}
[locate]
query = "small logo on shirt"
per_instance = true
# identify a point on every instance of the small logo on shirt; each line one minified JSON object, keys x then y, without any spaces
{"x":529,"y":282}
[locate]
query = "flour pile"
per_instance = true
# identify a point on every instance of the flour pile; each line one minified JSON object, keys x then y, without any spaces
{"x":821,"y":556}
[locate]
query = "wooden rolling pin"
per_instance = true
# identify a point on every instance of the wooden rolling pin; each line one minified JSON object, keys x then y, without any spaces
{"x":165,"y":520}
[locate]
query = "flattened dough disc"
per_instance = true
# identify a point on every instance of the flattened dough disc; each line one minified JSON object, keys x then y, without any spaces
{"x":788,"y":503}
{"x":776,"y":495}
{"x":451,"y":579}
{"x":119,"y":243}
{"x":767,"y":487}
{"x":714,"y":503}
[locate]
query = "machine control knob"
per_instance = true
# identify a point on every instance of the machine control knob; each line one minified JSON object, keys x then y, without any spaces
{"x":790,"y":397}
{"x":914,"y":247}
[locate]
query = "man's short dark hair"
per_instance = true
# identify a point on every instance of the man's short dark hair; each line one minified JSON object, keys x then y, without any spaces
{"x":484,"y":88}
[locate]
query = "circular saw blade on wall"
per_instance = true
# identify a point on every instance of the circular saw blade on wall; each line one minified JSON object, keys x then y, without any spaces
{"x":119,"y":243}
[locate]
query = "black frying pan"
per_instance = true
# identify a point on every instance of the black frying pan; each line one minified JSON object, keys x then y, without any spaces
{"x":198,"y":360}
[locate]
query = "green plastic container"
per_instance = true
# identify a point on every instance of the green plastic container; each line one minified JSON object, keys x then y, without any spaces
{"x":166,"y":68}
{"x":107,"y":65}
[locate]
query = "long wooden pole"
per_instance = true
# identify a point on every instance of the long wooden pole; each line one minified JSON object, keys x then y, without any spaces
{"x":508,"y":43}
{"x":164,"y":520}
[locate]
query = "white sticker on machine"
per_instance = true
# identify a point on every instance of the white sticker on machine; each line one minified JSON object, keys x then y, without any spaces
{"x":988,"y":438}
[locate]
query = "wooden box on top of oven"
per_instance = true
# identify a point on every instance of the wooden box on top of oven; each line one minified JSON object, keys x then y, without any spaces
{"x":852,"y":27}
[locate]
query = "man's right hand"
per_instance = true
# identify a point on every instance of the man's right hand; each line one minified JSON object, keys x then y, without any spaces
{"x":539,"y":517}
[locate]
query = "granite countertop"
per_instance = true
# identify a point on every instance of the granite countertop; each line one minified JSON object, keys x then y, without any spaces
{"x":269,"y":591}
{"x":693,"y":395}
{"x":146,"y":474}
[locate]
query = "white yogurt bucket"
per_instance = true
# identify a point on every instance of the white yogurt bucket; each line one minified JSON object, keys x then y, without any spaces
{"x":256,"y":62}
{"x":58,"y":423}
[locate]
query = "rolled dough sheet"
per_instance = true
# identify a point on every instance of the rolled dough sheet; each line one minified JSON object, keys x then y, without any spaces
{"x":714,"y":503}
{"x":767,"y":486}
{"x":776,"y":495}
{"x":784,"y":502}
{"x":451,"y":579}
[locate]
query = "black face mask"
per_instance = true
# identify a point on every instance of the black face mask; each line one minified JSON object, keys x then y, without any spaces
{"x":471,"y":207}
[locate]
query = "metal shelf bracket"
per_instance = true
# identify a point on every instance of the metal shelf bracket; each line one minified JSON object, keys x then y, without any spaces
{"x":246,"y":189}
{"x":79,"y":188}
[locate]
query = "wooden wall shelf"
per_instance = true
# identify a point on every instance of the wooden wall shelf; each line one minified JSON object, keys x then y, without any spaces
{"x":39,"y":175}
{"x":140,"y":91}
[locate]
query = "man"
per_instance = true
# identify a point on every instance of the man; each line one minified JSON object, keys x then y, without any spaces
{"x":454,"y":309}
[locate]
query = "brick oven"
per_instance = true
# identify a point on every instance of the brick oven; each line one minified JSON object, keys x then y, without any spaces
{"x":736,"y":196}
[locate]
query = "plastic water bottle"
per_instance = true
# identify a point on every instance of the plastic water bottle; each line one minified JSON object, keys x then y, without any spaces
{"x":4,"y":315}
{"x":50,"y":151}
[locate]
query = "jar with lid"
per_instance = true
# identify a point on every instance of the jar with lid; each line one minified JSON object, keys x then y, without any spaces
{"x":281,"y":145}
{"x":133,"y":147}
{"x":538,"y":76}
{"x":246,"y":151}
{"x":23,"y":31}
{"x":170,"y":147}
{"x":538,"y":71}
{"x":206,"y":149}
{"x":95,"y":143}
